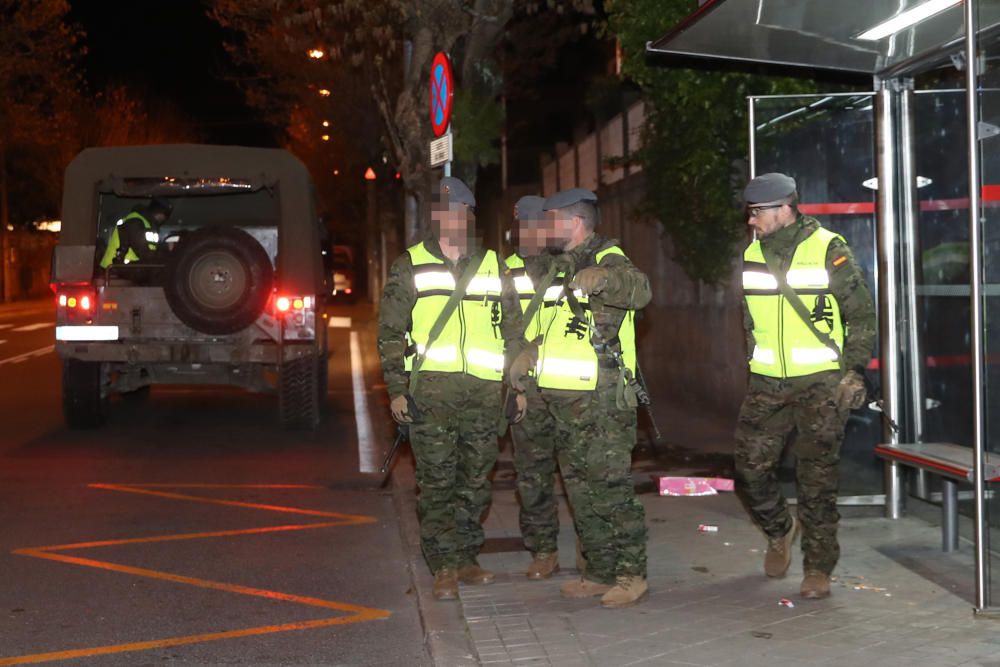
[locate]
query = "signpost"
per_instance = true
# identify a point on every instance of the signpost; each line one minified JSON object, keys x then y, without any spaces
{"x":442,"y":91}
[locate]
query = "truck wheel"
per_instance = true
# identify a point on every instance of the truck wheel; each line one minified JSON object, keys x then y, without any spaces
{"x":85,"y":394}
{"x":297,"y":393}
{"x":219,"y":280}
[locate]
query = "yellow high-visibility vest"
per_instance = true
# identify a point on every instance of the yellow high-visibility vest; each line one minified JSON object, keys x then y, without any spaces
{"x":470,"y":341}
{"x":525,"y":291}
{"x":115,"y":241}
{"x":784,"y":346}
{"x":567,"y":359}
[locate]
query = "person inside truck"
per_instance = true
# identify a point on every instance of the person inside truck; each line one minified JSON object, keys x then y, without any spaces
{"x":135,"y":237}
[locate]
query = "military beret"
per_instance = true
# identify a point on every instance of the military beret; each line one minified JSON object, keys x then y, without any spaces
{"x":769,"y":187}
{"x":457,"y":191}
{"x":529,"y":207}
{"x":569,"y":197}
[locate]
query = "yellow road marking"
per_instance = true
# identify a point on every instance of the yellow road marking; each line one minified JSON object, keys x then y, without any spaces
{"x":137,"y":488}
{"x":181,"y":641}
{"x":357,"y":614}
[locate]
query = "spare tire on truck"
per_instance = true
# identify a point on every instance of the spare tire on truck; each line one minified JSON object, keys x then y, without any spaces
{"x":219,"y":280}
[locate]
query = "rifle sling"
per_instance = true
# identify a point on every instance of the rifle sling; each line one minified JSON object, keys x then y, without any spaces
{"x":800,"y":308}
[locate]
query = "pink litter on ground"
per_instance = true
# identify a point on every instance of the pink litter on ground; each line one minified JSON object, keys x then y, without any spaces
{"x":785,"y":602}
{"x":694,"y":486}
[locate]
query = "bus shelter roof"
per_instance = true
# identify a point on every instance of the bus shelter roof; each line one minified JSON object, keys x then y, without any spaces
{"x":901,"y":39}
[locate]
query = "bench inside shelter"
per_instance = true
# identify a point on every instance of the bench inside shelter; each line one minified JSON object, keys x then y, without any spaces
{"x":952,"y":463}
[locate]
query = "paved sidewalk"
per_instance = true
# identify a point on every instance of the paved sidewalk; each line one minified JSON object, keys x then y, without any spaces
{"x":897,"y":599}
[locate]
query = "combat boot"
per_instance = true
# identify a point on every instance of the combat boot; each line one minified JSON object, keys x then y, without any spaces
{"x":779,"y":551}
{"x":543,"y":565}
{"x":446,"y":584}
{"x":815,"y":585}
{"x":583,"y":588}
{"x":626,"y":592}
{"x":472,"y":574}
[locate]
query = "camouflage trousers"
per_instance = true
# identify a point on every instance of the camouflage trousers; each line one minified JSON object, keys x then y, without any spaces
{"x":455,"y":447}
{"x":593,"y":441}
{"x":803,"y":410}
{"x":535,"y":462}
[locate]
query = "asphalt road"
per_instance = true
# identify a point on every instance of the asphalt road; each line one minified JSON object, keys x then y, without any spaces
{"x":191,"y":529}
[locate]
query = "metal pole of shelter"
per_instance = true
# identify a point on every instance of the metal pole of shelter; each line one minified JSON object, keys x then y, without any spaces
{"x":752,"y":120}
{"x":888,"y":280}
{"x":975,"y":284}
{"x":911,"y":275}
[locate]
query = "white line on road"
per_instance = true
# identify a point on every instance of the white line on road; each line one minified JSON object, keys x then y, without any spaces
{"x":5,"y":326}
{"x":36,"y":326}
{"x":363,"y":420}
{"x":340,"y":323}
{"x":28,"y":355}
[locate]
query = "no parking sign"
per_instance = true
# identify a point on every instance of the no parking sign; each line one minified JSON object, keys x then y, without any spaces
{"x":442,"y":89}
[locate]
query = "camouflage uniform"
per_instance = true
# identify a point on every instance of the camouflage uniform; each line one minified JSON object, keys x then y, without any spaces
{"x":593,"y":437}
{"x":535,"y":454}
{"x":775,"y":408}
{"x":455,"y":444}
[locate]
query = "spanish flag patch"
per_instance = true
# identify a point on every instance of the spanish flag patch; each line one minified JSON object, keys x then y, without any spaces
{"x":840,"y":260}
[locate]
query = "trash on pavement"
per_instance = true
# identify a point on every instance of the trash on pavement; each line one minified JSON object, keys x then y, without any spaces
{"x":785,"y":602}
{"x":707,"y":528}
{"x":694,"y":486}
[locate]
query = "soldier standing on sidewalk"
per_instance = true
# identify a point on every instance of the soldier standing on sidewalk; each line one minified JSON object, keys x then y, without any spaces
{"x":810,"y":327}
{"x":581,"y":366}
{"x":458,"y":358}
{"x":533,"y":437}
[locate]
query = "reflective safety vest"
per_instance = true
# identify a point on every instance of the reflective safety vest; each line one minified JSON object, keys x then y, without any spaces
{"x":567,"y":358}
{"x":784,"y":346}
{"x":152,"y":239}
{"x":526,"y":290}
{"x":470,"y":341}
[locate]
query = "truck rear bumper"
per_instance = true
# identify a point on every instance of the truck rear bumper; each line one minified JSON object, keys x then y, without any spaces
{"x":144,"y":352}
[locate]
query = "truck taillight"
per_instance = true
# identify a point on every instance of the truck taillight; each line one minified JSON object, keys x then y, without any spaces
{"x":75,"y":301}
{"x":286,"y":305}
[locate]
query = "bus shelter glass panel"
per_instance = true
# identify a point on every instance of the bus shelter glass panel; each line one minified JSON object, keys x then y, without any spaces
{"x":942,"y":282}
{"x":989,"y":216}
{"x":826,"y":142}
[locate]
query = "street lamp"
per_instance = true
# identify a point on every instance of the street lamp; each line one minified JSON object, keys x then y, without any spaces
{"x":324,"y":92}
{"x":326,"y":123}
{"x":325,"y":137}
{"x":316,"y":54}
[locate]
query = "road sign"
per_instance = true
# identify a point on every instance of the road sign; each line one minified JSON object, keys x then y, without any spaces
{"x":442,"y":90}
{"x":441,"y":150}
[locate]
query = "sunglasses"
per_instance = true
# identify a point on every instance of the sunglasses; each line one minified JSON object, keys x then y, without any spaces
{"x":754,"y":211}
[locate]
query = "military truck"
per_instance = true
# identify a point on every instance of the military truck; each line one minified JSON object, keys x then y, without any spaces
{"x":235,"y":292}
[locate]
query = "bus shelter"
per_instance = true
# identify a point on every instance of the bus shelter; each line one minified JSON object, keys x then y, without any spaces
{"x":910,"y":173}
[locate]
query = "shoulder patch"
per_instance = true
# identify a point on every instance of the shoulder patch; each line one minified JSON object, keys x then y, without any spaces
{"x":840,"y":260}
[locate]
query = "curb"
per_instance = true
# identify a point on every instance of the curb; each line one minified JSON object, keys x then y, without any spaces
{"x":445,"y":633}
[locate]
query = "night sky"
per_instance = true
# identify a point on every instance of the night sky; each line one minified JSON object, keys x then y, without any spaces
{"x":169,"y":53}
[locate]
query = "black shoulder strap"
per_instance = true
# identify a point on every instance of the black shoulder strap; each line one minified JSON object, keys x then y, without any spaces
{"x":800,"y":308}
{"x":539,"y":295}
{"x":449,"y":307}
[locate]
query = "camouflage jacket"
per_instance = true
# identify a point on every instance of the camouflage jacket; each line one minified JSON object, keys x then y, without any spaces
{"x":398,"y":299}
{"x":627,"y":288}
{"x":847,"y":285}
